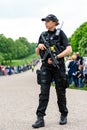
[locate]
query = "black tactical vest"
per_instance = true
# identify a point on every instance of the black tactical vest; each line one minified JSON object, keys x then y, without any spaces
{"x":53,"y":40}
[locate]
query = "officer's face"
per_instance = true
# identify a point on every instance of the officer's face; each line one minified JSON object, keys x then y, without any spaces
{"x":50,"y":25}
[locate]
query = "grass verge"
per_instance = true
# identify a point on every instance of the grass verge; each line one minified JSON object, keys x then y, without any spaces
{"x":27,"y":60}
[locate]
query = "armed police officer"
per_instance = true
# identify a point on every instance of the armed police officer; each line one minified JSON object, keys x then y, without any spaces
{"x":60,"y":47}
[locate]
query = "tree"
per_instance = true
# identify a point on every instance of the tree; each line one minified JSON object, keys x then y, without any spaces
{"x":1,"y":58}
{"x":6,"y":47}
{"x":3,"y":41}
{"x":83,"y":46}
{"x":10,"y":49}
{"x":78,"y":35}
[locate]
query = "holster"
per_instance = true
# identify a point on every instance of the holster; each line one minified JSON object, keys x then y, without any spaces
{"x":38,"y":72}
{"x":42,"y":76}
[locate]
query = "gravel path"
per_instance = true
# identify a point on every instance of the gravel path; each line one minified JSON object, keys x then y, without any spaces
{"x":19,"y":100}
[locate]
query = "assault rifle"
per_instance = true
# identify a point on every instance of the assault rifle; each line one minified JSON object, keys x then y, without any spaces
{"x":48,"y":51}
{"x":53,"y":52}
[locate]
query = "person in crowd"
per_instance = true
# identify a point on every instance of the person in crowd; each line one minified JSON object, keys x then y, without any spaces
{"x":32,"y":67}
{"x":80,"y":76}
{"x":73,"y":67}
{"x":85,"y":74}
{"x":79,"y":58}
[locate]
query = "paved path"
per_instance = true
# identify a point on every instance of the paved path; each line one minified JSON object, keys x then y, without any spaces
{"x":19,"y":100}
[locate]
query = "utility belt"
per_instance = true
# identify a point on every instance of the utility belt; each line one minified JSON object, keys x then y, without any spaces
{"x":61,"y":63}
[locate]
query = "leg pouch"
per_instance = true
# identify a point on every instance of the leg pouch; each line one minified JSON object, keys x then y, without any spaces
{"x":43,"y":77}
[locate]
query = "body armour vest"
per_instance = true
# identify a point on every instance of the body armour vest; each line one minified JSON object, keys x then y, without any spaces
{"x":53,"y":40}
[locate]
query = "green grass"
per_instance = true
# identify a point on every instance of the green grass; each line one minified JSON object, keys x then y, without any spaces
{"x":72,"y":87}
{"x":27,"y":60}
{"x":78,"y":88}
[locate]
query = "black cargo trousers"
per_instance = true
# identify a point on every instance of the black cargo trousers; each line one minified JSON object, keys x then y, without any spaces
{"x":48,"y":74}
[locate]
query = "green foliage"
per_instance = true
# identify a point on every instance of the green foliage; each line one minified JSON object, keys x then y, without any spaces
{"x":18,"y":49}
{"x":83,"y":46}
{"x":1,"y":58}
{"x":24,"y":48}
{"x":79,"y":39}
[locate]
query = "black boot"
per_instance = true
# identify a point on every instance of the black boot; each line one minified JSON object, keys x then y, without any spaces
{"x":39,"y":123}
{"x":63,"y":120}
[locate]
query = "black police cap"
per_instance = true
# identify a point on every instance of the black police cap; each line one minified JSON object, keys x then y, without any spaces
{"x":50,"y":17}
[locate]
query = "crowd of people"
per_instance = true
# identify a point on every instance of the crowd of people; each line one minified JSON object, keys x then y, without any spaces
{"x":9,"y":70}
{"x":77,"y":70}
